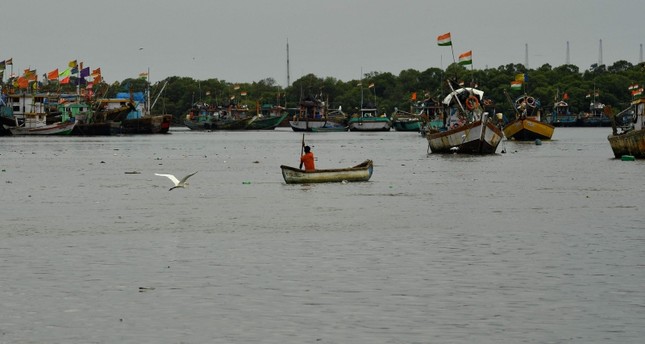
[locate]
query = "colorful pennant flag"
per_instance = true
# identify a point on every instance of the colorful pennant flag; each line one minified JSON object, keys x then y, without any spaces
{"x":53,"y":75}
{"x":413,"y":96}
{"x":85,"y":72}
{"x":243,"y":93}
{"x":466,"y":58}
{"x":370,"y":85}
{"x":444,"y":40}
{"x":72,"y":64}
{"x":143,"y":75}
{"x":516,"y":85}
{"x":520,"y":77}
{"x":9,"y":62}
{"x":96,"y":72}
{"x":65,"y":81}
{"x":67,"y":72}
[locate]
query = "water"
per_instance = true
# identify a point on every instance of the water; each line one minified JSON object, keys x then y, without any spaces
{"x":543,"y":244}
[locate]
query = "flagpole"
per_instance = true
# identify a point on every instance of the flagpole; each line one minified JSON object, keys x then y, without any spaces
{"x":452,"y":49}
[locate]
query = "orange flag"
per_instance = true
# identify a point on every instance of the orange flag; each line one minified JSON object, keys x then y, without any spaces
{"x":53,"y":75}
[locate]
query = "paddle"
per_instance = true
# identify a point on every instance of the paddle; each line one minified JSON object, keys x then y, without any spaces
{"x":302,"y":149}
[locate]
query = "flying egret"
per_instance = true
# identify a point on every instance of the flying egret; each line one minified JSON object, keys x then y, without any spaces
{"x":178,"y":183}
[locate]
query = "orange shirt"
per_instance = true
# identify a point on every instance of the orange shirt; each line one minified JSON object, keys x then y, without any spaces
{"x":308,"y":160}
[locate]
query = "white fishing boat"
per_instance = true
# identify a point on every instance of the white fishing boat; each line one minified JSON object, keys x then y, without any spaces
{"x":470,"y":130}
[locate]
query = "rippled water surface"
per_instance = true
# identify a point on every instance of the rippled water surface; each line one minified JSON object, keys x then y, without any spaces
{"x":542,"y":244}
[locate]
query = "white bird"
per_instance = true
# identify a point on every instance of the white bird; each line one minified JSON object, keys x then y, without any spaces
{"x":178,"y":183}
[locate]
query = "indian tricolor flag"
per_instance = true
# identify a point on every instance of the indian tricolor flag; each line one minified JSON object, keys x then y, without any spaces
{"x":637,"y":92}
{"x":516,"y":85}
{"x":466,"y":58}
{"x":444,"y":40}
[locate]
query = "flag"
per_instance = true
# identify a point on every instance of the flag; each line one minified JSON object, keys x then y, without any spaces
{"x":520,"y":77}
{"x":23,"y":82}
{"x":143,"y":75}
{"x":243,"y":93}
{"x":516,"y":85}
{"x":232,"y":97}
{"x":53,"y":74}
{"x":9,"y":62}
{"x":67,"y":72}
{"x":96,"y":72}
{"x":588,"y":95}
{"x":236,"y":87}
{"x":565,"y":96}
{"x":444,"y":40}
{"x":85,"y":72}
{"x":413,"y":96}
{"x":466,"y":58}
{"x":30,"y":74}
{"x":72,"y":64}
{"x":371,"y":85}
{"x":637,"y":92}
{"x":65,"y":80}
{"x":90,"y":85}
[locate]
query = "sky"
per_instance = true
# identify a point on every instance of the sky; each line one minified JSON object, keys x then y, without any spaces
{"x":246,"y":40}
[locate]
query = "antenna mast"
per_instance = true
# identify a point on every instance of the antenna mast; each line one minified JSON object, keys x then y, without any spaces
{"x":568,"y":59}
{"x":288,"y":77}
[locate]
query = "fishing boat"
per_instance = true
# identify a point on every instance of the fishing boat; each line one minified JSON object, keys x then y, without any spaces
{"x":368,"y":120}
{"x":596,"y":117}
{"x":268,"y":117}
{"x":628,"y":132}
{"x":405,"y":121}
{"x":561,"y":116}
{"x":359,"y":173}
{"x":469,"y":129}
{"x":528,"y":124}
{"x":36,"y":124}
{"x":204,"y":117}
{"x":313,"y":116}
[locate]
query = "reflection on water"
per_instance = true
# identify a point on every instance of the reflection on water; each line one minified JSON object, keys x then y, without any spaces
{"x":542,"y":244}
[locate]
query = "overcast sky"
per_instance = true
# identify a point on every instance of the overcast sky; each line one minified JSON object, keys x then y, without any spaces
{"x":245,"y":40}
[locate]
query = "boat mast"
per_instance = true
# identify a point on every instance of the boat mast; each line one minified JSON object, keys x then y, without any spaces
{"x":147,"y":112}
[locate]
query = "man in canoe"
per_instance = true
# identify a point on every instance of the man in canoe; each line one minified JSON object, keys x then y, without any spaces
{"x":308,"y":160}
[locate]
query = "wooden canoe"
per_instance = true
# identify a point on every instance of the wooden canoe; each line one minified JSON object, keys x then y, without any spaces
{"x":358,"y":173}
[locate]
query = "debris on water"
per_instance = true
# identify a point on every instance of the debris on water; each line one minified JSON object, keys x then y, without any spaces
{"x":246,"y":182}
{"x":256,"y":162}
{"x":102,"y":162}
{"x":538,"y":142}
{"x":143,"y":289}
{"x":627,"y":158}
{"x":132,"y":172}
{"x":344,"y":181}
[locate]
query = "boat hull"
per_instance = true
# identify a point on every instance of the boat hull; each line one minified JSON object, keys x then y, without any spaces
{"x":369,"y":124}
{"x":316,"y":126}
{"x":473,"y":138}
{"x":528,"y":129}
{"x":63,"y":128}
{"x":629,"y":143}
{"x":407,"y":125}
{"x":266,"y":123}
{"x":358,"y":173}
{"x":157,"y":124}
{"x":221,"y":124}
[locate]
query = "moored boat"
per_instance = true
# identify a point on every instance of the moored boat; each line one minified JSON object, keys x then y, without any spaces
{"x":359,"y":173}
{"x":628,"y":132}
{"x":561,"y":116}
{"x":268,"y":117}
{"x":369,"y":120}
{"x":36,"y":124}
{"x":528,"y":124}
{"x":313,"y":116}
{"x":470,"y":130}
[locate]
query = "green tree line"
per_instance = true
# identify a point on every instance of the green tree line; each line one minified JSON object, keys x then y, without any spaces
{"x":608,"y":84}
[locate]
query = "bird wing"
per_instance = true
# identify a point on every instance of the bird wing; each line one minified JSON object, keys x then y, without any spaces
{"x":183,"y":180}
{"x":170,"y":176}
